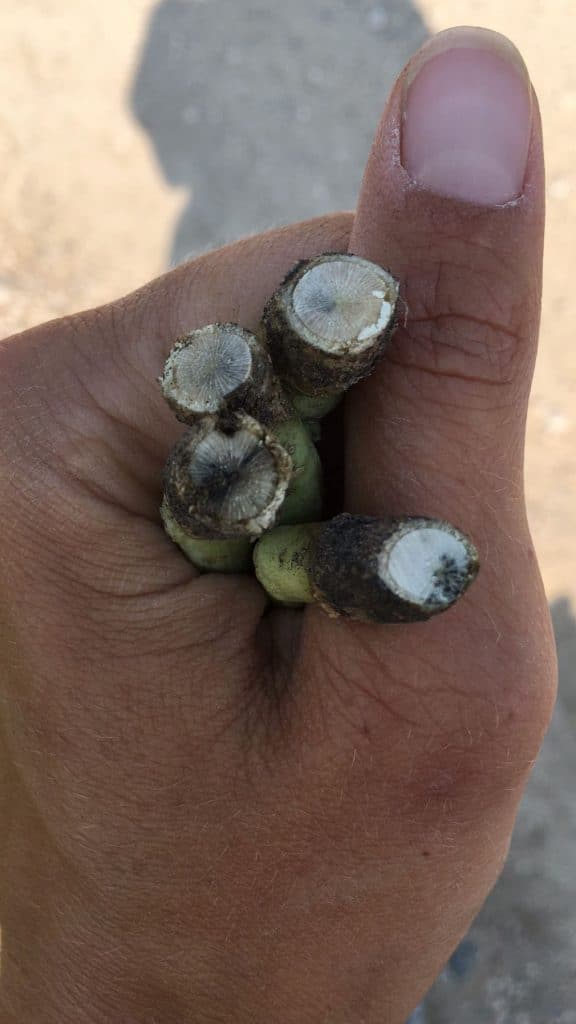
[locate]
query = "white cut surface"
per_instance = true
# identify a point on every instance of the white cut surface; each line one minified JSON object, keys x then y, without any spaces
{"x":344,"y":304}
{"x":426,"y":565}
{"x":238,"y":474}
{"x":200,"y":375}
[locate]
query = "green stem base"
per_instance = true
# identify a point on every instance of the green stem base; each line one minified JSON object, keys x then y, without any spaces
{"x":209,"y":555}
{"x":303,"y":501}
{"x":283,"y":561}
{"x":310,"y":408}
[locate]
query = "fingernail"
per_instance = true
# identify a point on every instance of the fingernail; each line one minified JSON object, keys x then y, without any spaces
{"x":467,"y":117}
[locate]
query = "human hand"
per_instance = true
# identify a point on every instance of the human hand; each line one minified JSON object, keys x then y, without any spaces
{"x":215,"y":815}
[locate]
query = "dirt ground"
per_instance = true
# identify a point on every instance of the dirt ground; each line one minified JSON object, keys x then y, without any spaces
{"x":134,"y":133}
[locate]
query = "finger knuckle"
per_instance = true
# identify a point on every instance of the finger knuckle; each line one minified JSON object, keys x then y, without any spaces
{"x":464,"y":323}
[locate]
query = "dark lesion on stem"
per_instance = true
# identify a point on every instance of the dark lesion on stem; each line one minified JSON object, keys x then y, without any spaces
{"x":391,"y":570}
{"x":226,"y":478}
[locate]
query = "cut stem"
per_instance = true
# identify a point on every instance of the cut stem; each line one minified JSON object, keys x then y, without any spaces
{"x":222,"y":368}
{"x":226,"y":479}
{"x":371,"y":570}
{"x":329,"y":321}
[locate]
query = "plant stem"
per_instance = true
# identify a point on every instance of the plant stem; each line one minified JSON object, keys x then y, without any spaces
{"x":328,"y":323}
{"x":371,"y":570}
{"x":221,"y":368}
{"x":209,"y":555}
{"x":313,"y":410}
{"x":283,"y":561}
{"x":226,"y":479}
{"x":303,"y":501}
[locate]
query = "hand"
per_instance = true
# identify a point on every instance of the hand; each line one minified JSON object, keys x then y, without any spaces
{"x":215,"y":815}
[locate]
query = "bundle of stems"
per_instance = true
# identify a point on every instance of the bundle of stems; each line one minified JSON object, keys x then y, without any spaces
{"x":243,"y":486}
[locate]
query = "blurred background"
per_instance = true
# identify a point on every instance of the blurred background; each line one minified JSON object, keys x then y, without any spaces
{"x":135,"y":134}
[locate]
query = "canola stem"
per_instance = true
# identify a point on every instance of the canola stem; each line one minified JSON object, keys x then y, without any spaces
{"x":209,"y":555}
{"x":199,"y":529}
{"x":310,"y":408}
{"x":283,"y":561}
{"x":303,"y":501}
{"x":328,"y":324}
{"x":371,"y":570}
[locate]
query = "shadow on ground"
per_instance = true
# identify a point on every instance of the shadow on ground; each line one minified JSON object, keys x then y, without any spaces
{"x":264,"y":111}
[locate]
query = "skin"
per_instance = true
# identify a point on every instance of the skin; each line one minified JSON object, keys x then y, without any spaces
{"x":213,"y":815}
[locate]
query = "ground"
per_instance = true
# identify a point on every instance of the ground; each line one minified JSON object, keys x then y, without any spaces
{"x":134,"y":134}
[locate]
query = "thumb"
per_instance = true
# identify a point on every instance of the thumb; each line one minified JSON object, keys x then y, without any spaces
{"x":452,"y":202}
